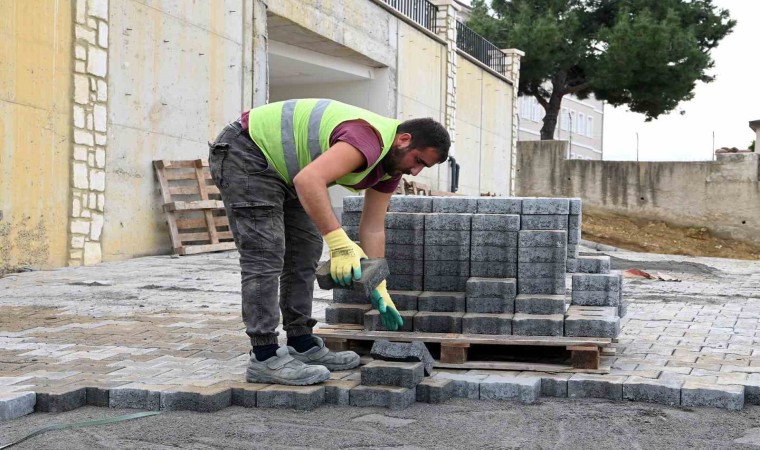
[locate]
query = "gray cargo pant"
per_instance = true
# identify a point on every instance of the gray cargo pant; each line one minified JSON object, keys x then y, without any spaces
{"x":277,"y":241}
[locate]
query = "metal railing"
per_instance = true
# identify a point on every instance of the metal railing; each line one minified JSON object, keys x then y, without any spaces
{"x":481,"y":49}
{"x":421,"y":11}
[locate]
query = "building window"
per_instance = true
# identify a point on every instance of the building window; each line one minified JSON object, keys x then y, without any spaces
{"x":590,"y":126}
{"x":573,"y":126}
{"x":564,"y":119}
{"x":581,"y":124}
{"x":536,"y":111}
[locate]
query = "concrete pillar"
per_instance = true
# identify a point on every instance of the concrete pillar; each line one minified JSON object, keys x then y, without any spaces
{"x":512,"y":72}
{"x":755,"y":125}
{"x":259,"y":76}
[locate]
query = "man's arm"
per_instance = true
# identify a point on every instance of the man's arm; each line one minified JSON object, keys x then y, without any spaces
{"x":372,"y":225}
{"x":311,"y":183}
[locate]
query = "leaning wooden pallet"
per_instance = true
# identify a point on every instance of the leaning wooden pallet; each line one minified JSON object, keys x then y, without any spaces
{"x":194,"y":209}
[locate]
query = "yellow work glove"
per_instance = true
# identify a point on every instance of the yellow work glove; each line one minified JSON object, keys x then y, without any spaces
{"x":345,"y":258}
{"x":388,"y":313}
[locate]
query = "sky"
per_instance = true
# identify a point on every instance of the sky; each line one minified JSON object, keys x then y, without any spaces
{"x":723,"y":107}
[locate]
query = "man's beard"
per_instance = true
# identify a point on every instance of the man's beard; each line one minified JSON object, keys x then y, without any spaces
{"x":392,"y":160}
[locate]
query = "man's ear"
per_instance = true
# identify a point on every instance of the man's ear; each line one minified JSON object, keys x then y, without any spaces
{"x":403,"y":139}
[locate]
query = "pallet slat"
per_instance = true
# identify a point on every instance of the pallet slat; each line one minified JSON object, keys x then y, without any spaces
{"x":204,"y":236}
{"x":187,"y":224}
{"x":197,"y":205}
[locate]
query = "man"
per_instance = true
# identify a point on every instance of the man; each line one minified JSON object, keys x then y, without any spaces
{"x":273,"y":167}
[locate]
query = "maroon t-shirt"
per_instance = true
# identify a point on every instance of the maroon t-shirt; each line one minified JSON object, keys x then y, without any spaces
{"x":367,"y":140}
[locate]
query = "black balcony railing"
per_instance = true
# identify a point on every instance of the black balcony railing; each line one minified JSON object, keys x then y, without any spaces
{"x":421,"y":11}
{"x":477,"y":46}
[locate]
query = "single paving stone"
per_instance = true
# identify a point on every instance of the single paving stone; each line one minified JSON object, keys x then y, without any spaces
{"x":551,"y":286}
{"x":193,"y":398}
{"x":491,"y":287}
{"x":540,"y":304}
{"x":403,"y":352}
{"x":460,"y":222}
{"x":538,"y":325}
{"x":406,"y":252}
{"x":496,"y":222}
{"x":541,"y":255}
{"x":60,"y":399}
{"x":373,"y":272}
{"x":575,"y":206}
{"x":446,"y":253}
{"x":447,"y":237}
{"x":552,"y":384}
{"x":304,"y":398}
{"x":405,"y":282}
{"x":447,"y":268}
{"x":16,"y":404}
{"x":541,"y":270}
{"x":572,"y":264}
{"x":490,"y":305}
{"x":372,"y":321}
{"x":405,"y":300}
{"x":572,"y":251}
{"x":438,"y":322}
{"x":494,"y":238}
{"x":490,"y":269}
{"x":405,"y":267}
{"x":347,"y":296}
{"x":456,"y":204}
{"x":352,"y":203}
{"x":542,"y":238}
{"x":445,"y":283}
{"x":411,"y":204}
{"x":574,"y":236}
{"x":574,"y":222}
{"x":543,"y":222}
{"x":595,"y":298}
{"x":524,"y":390}
{"x":405,"y":237}
{"x":701,"y":393}
{"x":582,"y":385}
{"x":391,"y":397}
{"x":393,"y":373}
{"x":493,"y":254}
{"x":499,"y":205}
{"x":596,"y":282}
{"x":405,"y":221}
{"x":441,"y":301}
{"x":593,"y":264}
{"x":346,"y":313}
{"x":97,"y":396}
{"x":137,"y":396}
{"x":242,"y":393}
{"x":586,"y":326}
{"x":545,"y":206}
{"x":350,"y":218}
{"x":435,"y":390}
{"x":752,"y":389}
{"x":464,"y":385}
{"x":352,"y":231}
{"x":337,"y":392}
{"x":474,"y":323}
{"x":664,"y":392}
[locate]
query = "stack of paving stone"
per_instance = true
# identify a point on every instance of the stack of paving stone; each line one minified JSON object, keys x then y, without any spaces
{"x":486,"y":265}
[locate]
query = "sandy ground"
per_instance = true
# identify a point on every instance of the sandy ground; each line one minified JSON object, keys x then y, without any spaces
{"x":561,"y":424}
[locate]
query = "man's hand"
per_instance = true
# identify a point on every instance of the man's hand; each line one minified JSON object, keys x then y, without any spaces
{"x":345,"y":258}
{"x":388,"y":313}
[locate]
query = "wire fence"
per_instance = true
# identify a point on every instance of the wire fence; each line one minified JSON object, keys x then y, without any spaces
{"x":481,"y":49}
{"x":421,"y":11}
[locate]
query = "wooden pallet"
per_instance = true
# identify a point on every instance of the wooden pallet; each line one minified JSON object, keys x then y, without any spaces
{"x":194,"y":209}
{"x":476,"y":351}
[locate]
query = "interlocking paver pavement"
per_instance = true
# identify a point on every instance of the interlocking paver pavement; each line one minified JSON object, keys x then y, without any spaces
{"x":169,"y":323}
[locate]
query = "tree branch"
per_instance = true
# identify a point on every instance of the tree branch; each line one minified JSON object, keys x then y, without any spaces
{"x":576,"y":88}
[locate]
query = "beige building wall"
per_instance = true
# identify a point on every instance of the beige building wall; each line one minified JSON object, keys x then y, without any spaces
{"x":35,"y":132}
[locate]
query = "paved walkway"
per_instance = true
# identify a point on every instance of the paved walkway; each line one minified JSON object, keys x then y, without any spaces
{"x":176,"y":321}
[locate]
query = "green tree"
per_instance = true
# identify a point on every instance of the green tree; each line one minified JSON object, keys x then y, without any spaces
{"x":647,"y":54}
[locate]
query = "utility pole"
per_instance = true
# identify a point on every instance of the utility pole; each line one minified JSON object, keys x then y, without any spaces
{"x":637,"y":146}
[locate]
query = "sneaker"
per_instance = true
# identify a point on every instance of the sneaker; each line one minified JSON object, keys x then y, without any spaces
{"x":322,"y":356}
{"x":284,"y":369}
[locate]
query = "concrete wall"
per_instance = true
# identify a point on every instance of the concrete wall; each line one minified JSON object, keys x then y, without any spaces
{"x":35,"y":137}
{"x":723,"y":195}
{"x":178,"y":73}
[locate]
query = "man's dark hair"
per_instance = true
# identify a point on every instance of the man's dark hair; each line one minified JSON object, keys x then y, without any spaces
{"x":426,"y":132}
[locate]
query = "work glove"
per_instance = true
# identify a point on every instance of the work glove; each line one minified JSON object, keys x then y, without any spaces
{"x":345,"y":258}
{"x":388,"y":313}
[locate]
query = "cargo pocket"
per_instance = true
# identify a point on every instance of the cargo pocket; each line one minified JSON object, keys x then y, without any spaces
{"x":216,"y":156}
{"x":259,"y":226}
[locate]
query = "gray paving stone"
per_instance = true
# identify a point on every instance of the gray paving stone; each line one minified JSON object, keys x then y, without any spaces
{"x":540,"y":304}
{"x":373,"y":272}
{"x":447,"y":237}
{"x":407,"y":252}
{"x":543,"y":222}
{"x":136,"y":396}
{"x":404,"y":300}
{"x":491,"y":287}
{"x":445,"y":283}
{"x":405,"y":221}
{"x":572,"y":265}
{"x":538,"y":325}
{"x":60,"y":399}
{"x":405,"y":282}
{"x":353,"y":203}
{"x":496,"y":222}
{"x":574,"y":222}
{"x":403,"y":352}
{"x":96,"y":396}
{"x":435,"y":390}
{"x":752,"y":389}
{"x":461,"y":222}
{"x":434,"y":253}
{"x":352,"y":232}
{"x":576,"y":205}
{"x":195,"y":399}
{"x":456,"y":204}
{"x":16,"y":404}
{"x":303,"y":398}
{"x":447,"y":268}
{"x":493,"y":254}
{"x":476,"y":323}
{"x":404,"y":237}
{"x":541,"y":270}
{"x":372,"y":321}
{"x":441,"y":301}
{"x":524,"y":390}
{"x":438,"y":322}
{"x":392,"y":373}
{"x":581,"y":385}
{"x":347,"y":296}
{"x":545,"y":206}
{"x":553,"y":286}
{"x":595,"y":298}
{"x":494,"y":238}
{"x":490,"y":305}
{"x":542,"y":238}
{"x":574,"y":238}
{"x":700,"y":393}
{"x":664,"y":392}
{"x":411,"y":204}
{"x":244,"y":394}
{"x":499,"y":205}
{"x":464,"y":385}
{"x":596,"y":282}
{"x":391,"y":397}
{"x":349,"y":218}
{"x":491,"y":269}
{"x":572,"y":250}
{"x":405,"y":267}
{"x":552,"y":384}
{"x":337,"y":392}
{"x":585,"y":326}
{"x":346,"y":313}
{"x":541,"y":254}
